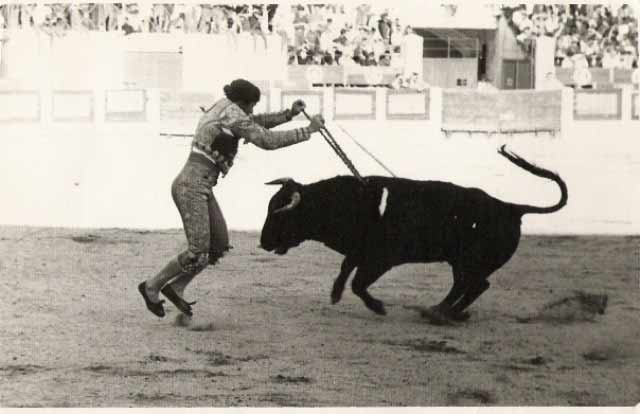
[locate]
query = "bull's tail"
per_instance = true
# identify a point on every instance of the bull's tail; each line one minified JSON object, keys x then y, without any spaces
{"x":540,"y":172}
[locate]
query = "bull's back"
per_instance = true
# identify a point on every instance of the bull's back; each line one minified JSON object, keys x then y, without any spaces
{"x":432,"y":220}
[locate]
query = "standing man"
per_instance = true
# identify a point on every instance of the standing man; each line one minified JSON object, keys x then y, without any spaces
{"x":213,"y":150}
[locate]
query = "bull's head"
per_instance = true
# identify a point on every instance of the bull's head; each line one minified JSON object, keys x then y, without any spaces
{"x":281,"y":230}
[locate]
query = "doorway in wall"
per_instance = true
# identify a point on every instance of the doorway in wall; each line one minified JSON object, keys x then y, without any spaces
{"x":517,"y":74}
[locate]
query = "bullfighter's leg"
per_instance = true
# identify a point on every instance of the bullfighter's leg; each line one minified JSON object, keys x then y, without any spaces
{"x":347,"y":267}
{"x":219,"y":244}
{"x":192,"y":200}
{"x":365,"y":277}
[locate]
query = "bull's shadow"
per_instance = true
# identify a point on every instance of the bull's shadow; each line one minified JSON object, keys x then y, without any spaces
{"x":386,"y":222}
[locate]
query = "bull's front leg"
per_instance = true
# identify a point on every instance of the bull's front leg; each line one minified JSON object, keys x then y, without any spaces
{"x":366,"y":275}
{"x":348,"y":264}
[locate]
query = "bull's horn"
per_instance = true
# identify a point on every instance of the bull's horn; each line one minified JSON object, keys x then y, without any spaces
{"x":295,"y":200}
{"x":280,"y":181}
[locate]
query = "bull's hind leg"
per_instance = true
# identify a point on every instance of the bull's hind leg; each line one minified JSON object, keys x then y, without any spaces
{"x":476,"y":288}
{"x":456,"y":291}
{"x":348,"y":264}
{"x":440,"y":314}
{"x":365,"y":277}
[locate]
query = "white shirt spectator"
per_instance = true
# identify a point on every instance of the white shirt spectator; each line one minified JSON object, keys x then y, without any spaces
{"x":580,"y":61}
{"x":567,"y":63}
{"x":610,"y":59}
{"x":326,"y":41}
{"x":40,"y":14}
{"x":635,"y":77}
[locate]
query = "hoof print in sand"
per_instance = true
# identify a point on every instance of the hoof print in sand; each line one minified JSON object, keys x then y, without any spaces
{"x":576,"y":307}
{"x":423,"y":345}
{"x":290,"y":380}
{"x":185,"y":321}
{"x":469,"y":397}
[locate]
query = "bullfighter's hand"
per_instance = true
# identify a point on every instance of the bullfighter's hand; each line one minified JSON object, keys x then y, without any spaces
{"x":297,"y":107}
{"x":316,"y":124}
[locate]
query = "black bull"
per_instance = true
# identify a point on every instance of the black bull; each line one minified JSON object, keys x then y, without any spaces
{"x":392,"y":221}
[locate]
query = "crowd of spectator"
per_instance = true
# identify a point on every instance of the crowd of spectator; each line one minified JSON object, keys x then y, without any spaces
{"x":326,"y":34}
{"x":587,"y":35}
{"x":136,"y":17}
{"x":340,"y":34}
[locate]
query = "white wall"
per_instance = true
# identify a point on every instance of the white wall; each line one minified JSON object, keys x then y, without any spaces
{"x":119,"y":174}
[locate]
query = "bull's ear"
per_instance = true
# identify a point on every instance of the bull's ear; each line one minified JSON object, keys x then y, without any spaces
{"x":280,"y":181}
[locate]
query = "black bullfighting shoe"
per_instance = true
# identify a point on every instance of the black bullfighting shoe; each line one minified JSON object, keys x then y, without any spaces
{"x":155,"y":308}
{"x":182,"y":305}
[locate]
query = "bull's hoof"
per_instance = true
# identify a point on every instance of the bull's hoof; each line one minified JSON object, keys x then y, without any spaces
{"x":435,"y":316}
{"x":377,"y":306}
{"x":336,"y":295}
{"x":461,"y":317}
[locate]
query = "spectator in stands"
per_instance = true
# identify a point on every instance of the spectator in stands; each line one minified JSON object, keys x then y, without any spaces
{"x":385,"y":59}
{"x":3,"y":22}
{"x":396,"y":36}
{"x":415,"y":83}
{"x":397,"y":82}
{"x":127,"y":28}
{"x":606,"y":36}
{"x":385,"y":28}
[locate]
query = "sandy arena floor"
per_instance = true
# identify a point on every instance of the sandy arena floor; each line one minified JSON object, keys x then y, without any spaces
{"x":75,"y":332}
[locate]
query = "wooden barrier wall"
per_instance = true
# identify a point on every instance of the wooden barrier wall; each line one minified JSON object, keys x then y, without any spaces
{"x":116,"y":171}
{"x":461,"y":110}
{"x":503,"y":112}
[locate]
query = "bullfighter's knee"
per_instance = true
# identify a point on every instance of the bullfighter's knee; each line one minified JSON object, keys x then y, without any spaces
{"x":193,"y":262}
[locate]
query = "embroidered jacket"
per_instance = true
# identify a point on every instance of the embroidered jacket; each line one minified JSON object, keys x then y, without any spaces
{"x":224,"y":123}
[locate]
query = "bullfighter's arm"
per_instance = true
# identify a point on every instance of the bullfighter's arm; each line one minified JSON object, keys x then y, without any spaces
{"x":245,"y":127}
{"x":273,"y":119}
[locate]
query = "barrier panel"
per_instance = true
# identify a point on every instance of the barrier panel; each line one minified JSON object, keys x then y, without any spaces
{"x":528,"y":111}
{"x":72,"y":106}
{"x":470,"y":111}
{"x":354,"y":104}
{"x":19,"y":106}
{"x":635,"y":106}
{"x":313,"y":99}
{"x":128,"y":105}
{"x":597,"y":104}
{"x":503,"y":112}
{"x":407,"y":104}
